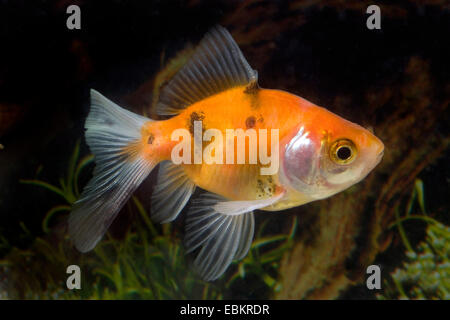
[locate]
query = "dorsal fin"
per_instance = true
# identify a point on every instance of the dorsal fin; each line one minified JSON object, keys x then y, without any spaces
{"x":216,"y":65}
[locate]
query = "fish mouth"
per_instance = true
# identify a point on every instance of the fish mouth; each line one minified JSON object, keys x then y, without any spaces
{"x":379,"y":157}
{"x":380,"y":150}
{"x":380,"y":154}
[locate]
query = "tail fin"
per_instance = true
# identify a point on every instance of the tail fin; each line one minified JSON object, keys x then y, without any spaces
{"x":113,"y":135}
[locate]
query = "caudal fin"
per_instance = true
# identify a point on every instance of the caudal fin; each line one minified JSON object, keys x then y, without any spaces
{"x":113,"y":135}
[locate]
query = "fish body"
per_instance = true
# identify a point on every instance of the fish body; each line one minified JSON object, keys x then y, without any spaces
{"x":313,"y":154}
{"x":264,"y":109}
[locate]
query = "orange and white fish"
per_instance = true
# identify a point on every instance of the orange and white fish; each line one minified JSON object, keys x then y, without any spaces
{"x":319,"y":154}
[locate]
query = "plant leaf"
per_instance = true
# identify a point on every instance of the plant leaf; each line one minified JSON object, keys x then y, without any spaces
{"x":50,"y":214}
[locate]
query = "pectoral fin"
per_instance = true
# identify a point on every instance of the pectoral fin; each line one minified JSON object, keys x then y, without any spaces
{"x":232,"y":208}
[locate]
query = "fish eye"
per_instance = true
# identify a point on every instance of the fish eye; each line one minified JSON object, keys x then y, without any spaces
{"x":343,"y":151}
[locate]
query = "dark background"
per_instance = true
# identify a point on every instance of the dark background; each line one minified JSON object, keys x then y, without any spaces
{"x":320,"y":50}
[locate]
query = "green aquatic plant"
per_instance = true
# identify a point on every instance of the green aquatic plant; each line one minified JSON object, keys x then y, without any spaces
{"x":426,"y":273}
{"x":262,"y":260}
{"x":148,"y":262}
{"x":68,"y":188}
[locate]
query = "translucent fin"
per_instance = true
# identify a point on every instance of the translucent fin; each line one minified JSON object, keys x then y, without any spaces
{"x":239,"y":207}
{"x":171,"y":193}
{"x":110,"y":129}
{"x":248,"y":228}
{"x":216,"y":65}
{"x":222,"y":238}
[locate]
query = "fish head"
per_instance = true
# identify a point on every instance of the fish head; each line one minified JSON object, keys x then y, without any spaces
{"x":327,"y":154}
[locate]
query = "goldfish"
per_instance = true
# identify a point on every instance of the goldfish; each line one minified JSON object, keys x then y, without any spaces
{"x":314,"y":154}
